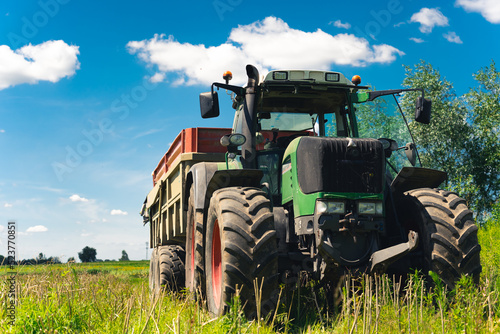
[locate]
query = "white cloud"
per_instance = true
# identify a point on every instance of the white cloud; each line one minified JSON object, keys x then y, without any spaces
{"x":157,"y":77}
{"x":429,"y":18}
{"x":267,"y":44}
{"x":87,"y":210}
{"x":489,"y":9}
{"x":7,"y":205}
{"x":2,"y":131}
{"x":46,"y":188}
{"x":48,"y":61}
{"x":416,"y":40}
{"x":340,"y":24}
{"x":146,"y":133}
{"x":452,"y":37}
{"x":77,"y":198}
{"x":37,"y":228}
{"x":115,"y":212}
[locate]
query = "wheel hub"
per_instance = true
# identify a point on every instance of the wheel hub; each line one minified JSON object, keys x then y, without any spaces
{"x":216,"y":265}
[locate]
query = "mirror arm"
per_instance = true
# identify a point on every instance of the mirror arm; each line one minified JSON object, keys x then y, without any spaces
{"x":373,"y":95}
{"x":235,"y":89}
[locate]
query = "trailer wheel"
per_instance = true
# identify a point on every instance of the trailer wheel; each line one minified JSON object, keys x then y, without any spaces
{"x":154,"y":272}
{"x":194,"y":247}
{"x":172,"y":271}
{"x":240,"y":248}
{"x":448,"y":234}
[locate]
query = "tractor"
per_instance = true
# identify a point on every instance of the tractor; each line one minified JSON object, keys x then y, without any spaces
{"x":318,"y":174}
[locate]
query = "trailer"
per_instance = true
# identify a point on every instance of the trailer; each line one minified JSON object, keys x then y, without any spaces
{"x":165,"y":204}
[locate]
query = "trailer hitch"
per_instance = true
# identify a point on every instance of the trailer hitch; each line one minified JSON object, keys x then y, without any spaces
{"x":381,"y":259}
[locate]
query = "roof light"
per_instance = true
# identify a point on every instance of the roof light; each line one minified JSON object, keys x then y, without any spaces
{"x":227,"y":76}
{"x":335,"y":77}
{"x":280,"y":75}
{"x":356,"y":80}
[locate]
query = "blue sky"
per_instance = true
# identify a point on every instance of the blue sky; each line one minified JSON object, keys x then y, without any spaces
{"x":92,"y":92}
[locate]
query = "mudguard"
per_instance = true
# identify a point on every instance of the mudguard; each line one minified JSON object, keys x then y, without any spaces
{"x":410,"y":178}
{"x":232,"y":178}
{"x":206,"y":179}
{"x":199,"y":175}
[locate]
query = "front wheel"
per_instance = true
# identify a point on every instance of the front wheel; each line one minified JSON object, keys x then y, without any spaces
{"x":241,"y":248}
{"x":448,"y":234}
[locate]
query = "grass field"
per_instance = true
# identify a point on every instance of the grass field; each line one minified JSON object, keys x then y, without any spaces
{"x":112,"y":297}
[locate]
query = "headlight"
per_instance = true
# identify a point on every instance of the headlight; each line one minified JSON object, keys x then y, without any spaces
{"x":370,"y":208}
{"x":321,"y":207}
{"x":330,"y":207}
{"x":235,"y":139}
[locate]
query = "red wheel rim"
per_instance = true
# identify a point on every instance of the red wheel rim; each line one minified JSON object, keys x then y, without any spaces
{"x":192,"y":252}
{"x":216,"y":264}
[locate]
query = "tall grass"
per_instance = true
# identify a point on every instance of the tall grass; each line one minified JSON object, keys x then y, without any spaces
{"x":106,"y":298}
{"x":114,"y":298}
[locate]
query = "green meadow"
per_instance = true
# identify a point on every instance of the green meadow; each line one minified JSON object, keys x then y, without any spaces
{"x":113,"y":297}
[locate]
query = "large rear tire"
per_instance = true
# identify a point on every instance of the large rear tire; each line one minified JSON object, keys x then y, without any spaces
{"x":241,"y":248}
{"x":172,"y":271}
{"x":194,"y":247}
{"x":448,"y":234}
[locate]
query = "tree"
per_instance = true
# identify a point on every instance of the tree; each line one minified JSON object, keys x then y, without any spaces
{"x":53,"y":259}
{"x":462,"y":138}
{"x":71,"y":260}
{"x":483,"y":106}
{"x":124,"y":256}
{"x":444,"y":139}
{"x":87,"y":254}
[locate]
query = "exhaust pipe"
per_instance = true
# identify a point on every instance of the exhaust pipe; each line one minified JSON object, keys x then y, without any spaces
{"x":248,"y":150}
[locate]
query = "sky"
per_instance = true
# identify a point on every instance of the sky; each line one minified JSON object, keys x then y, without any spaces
{"x":92,"y":92}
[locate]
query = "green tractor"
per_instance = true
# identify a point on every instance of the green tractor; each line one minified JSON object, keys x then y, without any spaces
{"x":320,"y":176}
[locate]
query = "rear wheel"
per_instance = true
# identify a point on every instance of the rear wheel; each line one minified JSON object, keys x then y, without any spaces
{"x":172,"y":271}
{"x":448,"y":234}
{"x":241,"y":248}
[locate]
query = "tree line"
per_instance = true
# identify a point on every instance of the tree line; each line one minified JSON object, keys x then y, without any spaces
{"x":88,"y":254}
{"x":40,"y":259}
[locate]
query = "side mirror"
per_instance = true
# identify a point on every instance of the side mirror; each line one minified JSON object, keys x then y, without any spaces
{"x":423,"y":110}
{"x":411,"y":153}
{"x":209,"y":104}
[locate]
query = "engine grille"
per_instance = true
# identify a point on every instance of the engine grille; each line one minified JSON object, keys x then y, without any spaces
{"x":327,"y":165}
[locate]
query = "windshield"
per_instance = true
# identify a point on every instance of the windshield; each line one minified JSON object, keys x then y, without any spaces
{"x":288,"y":121}
{"x":334,"y":125}
{"x":300,"y":107}
{"x":381,"y":118}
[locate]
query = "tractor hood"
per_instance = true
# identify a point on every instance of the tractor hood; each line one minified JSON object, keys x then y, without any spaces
{"x":315,"y":167}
